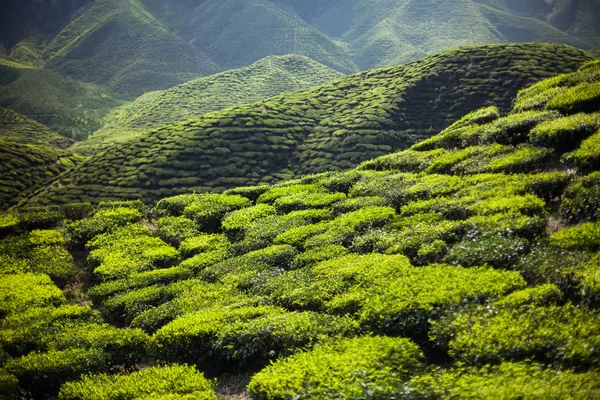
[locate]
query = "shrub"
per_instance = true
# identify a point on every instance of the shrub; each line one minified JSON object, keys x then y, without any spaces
{"x":581,"y":200}
{"x":355,"y":204}
{"x":174,"y":206}
{"x":513,"y":128}
{"x":404,"y":161}
{"x":80,"y":232}
{"x":505,"y":381}
{"x":565,"y":133}
{"x":9,"y":223}
{"x":77,"y":211}
{"x":175,"y":230}
{"x":132,"y":204}
{"x":201,"y":261}
{"x":367,"y":367}
{"x":584,"y":97}
{"x":203,"y":243}
{"x":566,"y":335}
{"x":298,"y":235}
{"x":178,"y":381}
{"x":276,"y":192}
{"x":21,"y":291}
{"x":318,"y":254}
{"x":525,"y":158}
{"x":9,"y":386}
{"x":497,"y":251}
{"x":39,"y":217}
{"x":244,"y":337}
{"x":303,"y":201}
{"x":587,"y":156}
{"x":208,"y":209}
{"x":235,"y":223}
{"x":582,"y":237}
{"x":44,"y":373}
{"x":250,"y":192}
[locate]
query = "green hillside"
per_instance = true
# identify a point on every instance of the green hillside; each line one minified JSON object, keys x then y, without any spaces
{"x":466,"y":267}
{"x":31,"y":155}
{"x":261,"y":80}
{"x":235,"y":33}
{"x":332,"y":127}
{"x":379,"y":33}
{"x":72,"y":109}
{"x":120,"y":45}
{"x":18,"y":128}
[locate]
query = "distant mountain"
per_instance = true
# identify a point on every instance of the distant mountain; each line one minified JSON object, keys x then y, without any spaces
{"x":266,"y":78}
{"x":118,"y":44}
{"x":31,"y":155}
{"x":69,"y":107}
{"x":332,"y":127}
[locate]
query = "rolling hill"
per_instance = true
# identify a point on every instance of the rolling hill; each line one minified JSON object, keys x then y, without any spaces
{"x":465,"y":267}
{"x":332,"y":127}
{"x":68,"y":107}
{"x":265,"y":78}
{"x":121,"y":46}
{"x":31,"y":155}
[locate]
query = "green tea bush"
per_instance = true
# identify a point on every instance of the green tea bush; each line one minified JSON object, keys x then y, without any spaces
{"x":298,"y":235}
{"x":208,"y":209}
{"x":80,"y":232}
{"x":582,"y":237}
{"x":132,"y":204}
{"x":203,"y":244}
{"x":497,"y":251}
{"x":367,"y":367}
{"x":124,"y":307}
{"x":44,"y":373}
{"x":565,"y":133}
{"x":39,"y":217}
{"x":355,"y":204}
{"x":584,"y":97}
{"x":303,"y":201}
{"x":9,"y":386}
{"x":174,"y":206}
{"x":23,"y":332}
{"x":566,"y":335}
{"x":587,"y":156}
{"x":479,"y":117}
{"x":318,"y":254}
{"x":175,"y":230}
{"x":245,"y":337}
{"x":581,"y":199}
{"x":176,"y":381}
{"x":77,"y":211}
{"x":404,"y":161}
{"x":525,"y":158}
{"x":513,"y":128}
{"x":504,"y":381}
{"x":21,"y":291}
{"x":276,"y":192}
{"x":250,"y":192}
{"x":235,"y":223}
{"x":9,"y":223}
{"x":201,"y":261}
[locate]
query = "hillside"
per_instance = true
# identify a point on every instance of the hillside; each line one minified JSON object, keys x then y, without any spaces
{"x":72,"y":109}
{"x":332,"y":127}
{"x":379,"y":33}
{"x":265,"y":78}
{"x":466,"y":267}
{"x":31,"y":155}
{"x":121,"y":46}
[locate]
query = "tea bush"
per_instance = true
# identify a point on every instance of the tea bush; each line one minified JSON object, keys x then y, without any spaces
{"x":80,"y":232}
{"x":303,"y":201}
{"x":565,"y":133}
{"x":367,"y":367}
{"x":587,"y":156}
{"x":21,"y":291}
{"x":246,"y":337}
{"x":497,"y":251}
{"x":175,"y":230}
{"x":203,"y":244}
{"x":504,"y":381}
{"x":582,"y":237}
{"x":581,"y":199}
{"x":178,"y":381}
{"x":235,"y":223}
{"x":208,"y":209}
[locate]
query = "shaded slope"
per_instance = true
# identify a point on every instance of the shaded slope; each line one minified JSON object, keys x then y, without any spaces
{"x":31,"y":155}
{"x":120,"y":45}
{"x":235,"y":33}
{"x":263,"y":79}
{"x":332,"y":127}
{"x":380,"y":33}
{"x":18,"y":128}
{"x":69,"y":108}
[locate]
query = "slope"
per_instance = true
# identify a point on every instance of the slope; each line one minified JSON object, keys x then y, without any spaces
{"x":332,"y":127}
{"x":31,"y":155}
{"x":261,"y":80}
{"x":380,"y":33}
{"x":465,"y":268}
{"x":235,"y":33}
{"x":72,"y":109}
{"x":120,"y":45}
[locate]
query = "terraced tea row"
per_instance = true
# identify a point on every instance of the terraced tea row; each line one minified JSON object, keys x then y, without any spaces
{"x":332,"y":127}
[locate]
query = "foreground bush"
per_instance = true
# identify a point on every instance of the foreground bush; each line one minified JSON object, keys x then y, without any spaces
{"x":173,"y":382}
{"x":506,"y":381}
{"x":20,"y":291}
{"x":368,"y":367}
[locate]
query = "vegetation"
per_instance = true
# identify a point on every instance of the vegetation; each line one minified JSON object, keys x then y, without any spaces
{"x":332,"y":127}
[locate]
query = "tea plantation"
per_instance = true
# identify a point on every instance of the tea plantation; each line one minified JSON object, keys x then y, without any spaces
{"x":332,"y":127}
{"x":466,"y":267}
{"x":266,"y":78}
{"x":31,"y":156}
